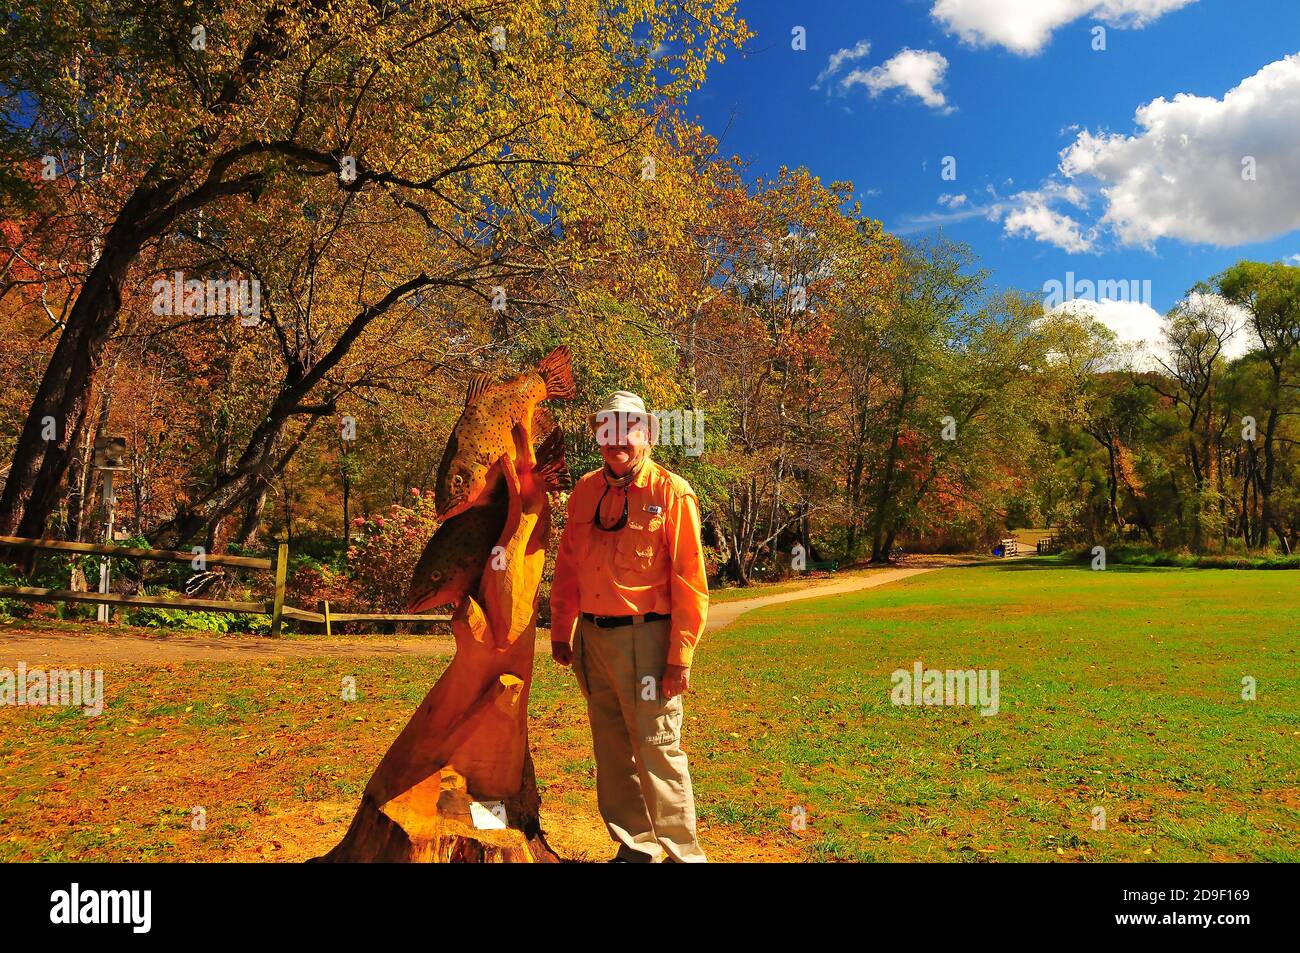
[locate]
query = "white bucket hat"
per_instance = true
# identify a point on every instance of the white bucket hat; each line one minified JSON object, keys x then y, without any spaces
{"x":626,"y":404}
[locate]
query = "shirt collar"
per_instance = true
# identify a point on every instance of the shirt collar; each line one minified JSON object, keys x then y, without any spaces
{"x":640,"y":481}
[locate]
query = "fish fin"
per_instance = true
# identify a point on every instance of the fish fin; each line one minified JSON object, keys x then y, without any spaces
{"x":556,"y":369}
{"x":551,"y":468}
{"x":543,"y":420}
{"x":477,"y":385}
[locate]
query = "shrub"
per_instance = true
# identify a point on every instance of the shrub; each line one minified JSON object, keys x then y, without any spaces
{"x":311,"y":582}
{"x":151,"y":617}
{"x":199,"y":620}
{"x":13,"y":608}
{"x":1140,"y":556}
{"x":387,"y":548}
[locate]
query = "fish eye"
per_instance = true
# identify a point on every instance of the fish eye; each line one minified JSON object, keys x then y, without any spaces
{"x":436,"y":576}
{"x":457,"y":480}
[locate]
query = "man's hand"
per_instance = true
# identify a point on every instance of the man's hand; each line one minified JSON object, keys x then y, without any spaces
{"x":676,"y":681}
{"x":562,"y":652}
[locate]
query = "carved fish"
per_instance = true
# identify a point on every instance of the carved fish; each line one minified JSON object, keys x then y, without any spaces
{"x":486,"y":430}
{"x":454,"y":559}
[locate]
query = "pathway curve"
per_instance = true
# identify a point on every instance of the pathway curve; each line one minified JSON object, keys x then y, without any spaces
{"x":726,"y":612}
{"x":95,"y":648}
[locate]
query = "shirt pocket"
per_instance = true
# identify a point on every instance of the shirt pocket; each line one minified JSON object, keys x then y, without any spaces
{"x":637,"y":551}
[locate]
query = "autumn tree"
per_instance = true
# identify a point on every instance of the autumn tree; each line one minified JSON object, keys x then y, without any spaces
{"x":464,"y":115}
{"x":1270,"y":295}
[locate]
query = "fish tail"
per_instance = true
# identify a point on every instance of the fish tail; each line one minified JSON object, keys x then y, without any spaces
{"x":556,"y":370}
{"x":551,"y":468}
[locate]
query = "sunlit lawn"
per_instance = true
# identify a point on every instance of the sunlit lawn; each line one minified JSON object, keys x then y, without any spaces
{"x":1119,"y":689}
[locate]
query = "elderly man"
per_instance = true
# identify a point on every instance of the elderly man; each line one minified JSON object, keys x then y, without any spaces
{"x":627,"y":610}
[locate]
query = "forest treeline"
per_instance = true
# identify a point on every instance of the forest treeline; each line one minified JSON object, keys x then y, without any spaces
{"x":269,"y":243}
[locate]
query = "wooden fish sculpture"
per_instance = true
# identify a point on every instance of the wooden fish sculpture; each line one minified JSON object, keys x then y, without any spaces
{"x":486,"y":430}
{"x":463,"y":547}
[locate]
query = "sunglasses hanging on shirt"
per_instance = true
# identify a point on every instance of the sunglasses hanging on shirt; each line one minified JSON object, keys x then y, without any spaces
{"x":600,"y":505}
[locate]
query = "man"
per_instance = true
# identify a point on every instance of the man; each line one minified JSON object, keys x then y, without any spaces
{"x":630,"y":594}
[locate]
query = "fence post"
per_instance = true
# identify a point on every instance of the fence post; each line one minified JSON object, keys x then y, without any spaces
{"x":325,"y":611}
{"x":281,"y":575}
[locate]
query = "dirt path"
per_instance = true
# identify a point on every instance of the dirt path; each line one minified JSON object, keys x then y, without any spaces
{"x":725,"y":613}
{"x":82,"y":647}
{"x":90,"y":647}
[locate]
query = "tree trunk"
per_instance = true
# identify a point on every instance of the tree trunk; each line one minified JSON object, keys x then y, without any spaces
{"x":60,"y":406}
{"x":1267,"y":518}
{"x":884,"y":498}
{"x":347,"y":500}
{"x":251,"y":523}
{"x":1112,"y":486}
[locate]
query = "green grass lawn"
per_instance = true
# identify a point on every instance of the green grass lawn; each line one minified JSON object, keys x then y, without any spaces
{"x":1118,"y":689}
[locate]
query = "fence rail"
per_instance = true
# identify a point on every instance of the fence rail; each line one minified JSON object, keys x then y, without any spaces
{"x":276,"y":607}
{"x":36,"y":594}
{"x":127,"y":552}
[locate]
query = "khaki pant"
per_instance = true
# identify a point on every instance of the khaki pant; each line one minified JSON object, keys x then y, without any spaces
{"x":642,"y":783}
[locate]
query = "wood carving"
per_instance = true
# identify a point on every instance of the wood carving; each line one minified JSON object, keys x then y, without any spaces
{"x":457,"y":784}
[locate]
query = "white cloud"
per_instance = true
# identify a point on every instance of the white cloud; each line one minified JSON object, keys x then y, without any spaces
{"x":1025,"y":26}
{"x":1028,"y":213}
{"x":1139,"y":328}
{"x":918,"y":72}
{"x":839,"y":58}
{"x":1241,"y":340}
{"x":1182,"y":175}
{"x":1036,"y":220}
{"x":1031,"y":214}
{"x":1136,"y":325}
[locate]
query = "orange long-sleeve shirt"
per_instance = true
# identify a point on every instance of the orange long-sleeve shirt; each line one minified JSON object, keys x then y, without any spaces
{"x":653,"y":564}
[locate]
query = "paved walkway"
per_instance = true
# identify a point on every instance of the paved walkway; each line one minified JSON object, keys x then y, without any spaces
{"x":94,"y":647}
{"x":725,"y":613}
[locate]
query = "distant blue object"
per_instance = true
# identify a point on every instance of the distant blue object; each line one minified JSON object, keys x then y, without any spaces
{"x":997,"y":550}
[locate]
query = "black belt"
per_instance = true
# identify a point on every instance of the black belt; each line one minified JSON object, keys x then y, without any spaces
{"x":615,"y":621}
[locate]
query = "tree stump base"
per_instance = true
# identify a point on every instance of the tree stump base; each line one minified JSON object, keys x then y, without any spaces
{"x":434,"y":823}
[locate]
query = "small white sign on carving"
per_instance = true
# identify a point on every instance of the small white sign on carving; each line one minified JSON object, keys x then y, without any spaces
{"x":488,"y":815}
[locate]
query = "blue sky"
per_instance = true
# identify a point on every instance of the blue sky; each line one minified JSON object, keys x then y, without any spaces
{"x":1004,"y":87}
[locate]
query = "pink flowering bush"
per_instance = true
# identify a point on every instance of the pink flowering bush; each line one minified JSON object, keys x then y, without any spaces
{"x":386,"y":547}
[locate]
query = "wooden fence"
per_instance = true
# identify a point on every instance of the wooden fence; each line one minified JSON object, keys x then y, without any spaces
{"x":277,"y":609}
